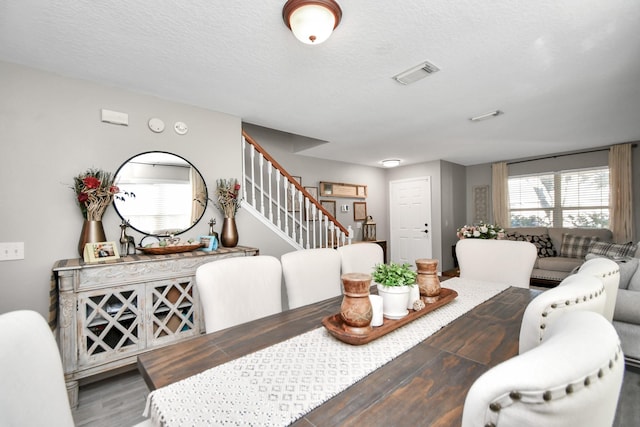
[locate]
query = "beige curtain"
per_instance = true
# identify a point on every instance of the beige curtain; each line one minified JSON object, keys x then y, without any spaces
{"x":500,"y":194}
{"x":621,"y":193}
{"x":199,"y":195}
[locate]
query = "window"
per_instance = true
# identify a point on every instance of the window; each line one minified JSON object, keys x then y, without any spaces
{"x":574,"y":198}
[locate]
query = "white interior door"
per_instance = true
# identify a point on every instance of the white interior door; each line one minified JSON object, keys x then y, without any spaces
{"x":410,"y":219}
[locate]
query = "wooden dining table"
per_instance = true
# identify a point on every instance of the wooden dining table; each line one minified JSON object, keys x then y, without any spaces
{"x":425,"y":385}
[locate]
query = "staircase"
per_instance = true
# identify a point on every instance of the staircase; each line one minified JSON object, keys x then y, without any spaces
{"x":282,"y":204}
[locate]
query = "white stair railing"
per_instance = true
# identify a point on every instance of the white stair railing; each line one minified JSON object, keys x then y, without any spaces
{"x":290,"y":209}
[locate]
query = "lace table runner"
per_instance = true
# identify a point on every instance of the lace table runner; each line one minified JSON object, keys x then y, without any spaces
{"x":279,"y":384}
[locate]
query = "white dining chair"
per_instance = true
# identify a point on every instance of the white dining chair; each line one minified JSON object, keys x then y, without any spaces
{"x":573,"y":378}
{"x":32,"y":388}
{"x":576,"y":292}
{"x":238,"y":290}
{"x":311,"y":275}
{"x":499,"y":261}
{"x":360,"y":257}
{"x":608,"y":271}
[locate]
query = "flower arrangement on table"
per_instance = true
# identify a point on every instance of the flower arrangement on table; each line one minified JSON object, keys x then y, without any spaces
{"x":480,"y":231}
{"x":228,"y":197}
{"x":94,"y":193}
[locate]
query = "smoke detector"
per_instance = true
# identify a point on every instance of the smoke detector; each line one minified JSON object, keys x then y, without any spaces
{"x":416,"y":73}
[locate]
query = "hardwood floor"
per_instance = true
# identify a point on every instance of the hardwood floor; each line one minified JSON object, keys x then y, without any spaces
{"x":120,"y":400}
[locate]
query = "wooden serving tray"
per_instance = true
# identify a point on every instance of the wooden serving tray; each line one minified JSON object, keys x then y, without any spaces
{"x":335,"y":325}
{"x":173,"y":249}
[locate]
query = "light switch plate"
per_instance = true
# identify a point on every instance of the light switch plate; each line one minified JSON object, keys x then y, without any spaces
{"x":11,"y":251}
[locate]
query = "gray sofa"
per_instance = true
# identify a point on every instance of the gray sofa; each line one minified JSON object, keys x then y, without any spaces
{"x":552,"y":269}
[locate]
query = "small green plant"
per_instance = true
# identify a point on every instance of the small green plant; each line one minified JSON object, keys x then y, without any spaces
{"x":393,"y":274}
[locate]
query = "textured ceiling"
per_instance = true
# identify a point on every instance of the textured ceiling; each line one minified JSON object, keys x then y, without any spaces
{"x":566,"y":73}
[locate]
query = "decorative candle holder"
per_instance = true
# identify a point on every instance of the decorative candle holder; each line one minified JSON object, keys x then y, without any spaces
{"x":356,"y":311}
{"x":428,"y":281}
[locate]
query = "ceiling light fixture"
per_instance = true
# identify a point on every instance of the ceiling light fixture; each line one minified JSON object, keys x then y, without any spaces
{"x":486,"y":116}
{"x":390,"y":163}
{"x":311,"y":21}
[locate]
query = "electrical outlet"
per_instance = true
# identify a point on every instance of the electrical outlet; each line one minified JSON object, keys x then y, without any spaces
{"x":11,"y":250}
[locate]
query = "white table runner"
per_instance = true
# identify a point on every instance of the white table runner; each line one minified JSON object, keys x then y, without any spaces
{"x":279,"y":384}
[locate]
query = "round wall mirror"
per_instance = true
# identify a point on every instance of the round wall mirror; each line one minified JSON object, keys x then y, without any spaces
{"x":160,"y":193}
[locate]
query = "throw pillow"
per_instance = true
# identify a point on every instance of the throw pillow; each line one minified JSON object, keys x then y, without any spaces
{"x":543,"y":243}
{"x":613,"y":250}
{"x":575,"y":246}
{"x":628,"y":267}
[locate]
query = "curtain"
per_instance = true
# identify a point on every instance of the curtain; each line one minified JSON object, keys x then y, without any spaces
{"x":621,"y":193}
{"x":199,"y":195}
{"x":500,"y":192}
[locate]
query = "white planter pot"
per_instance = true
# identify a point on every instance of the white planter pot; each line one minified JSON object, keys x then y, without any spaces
{"x":394,"y":301}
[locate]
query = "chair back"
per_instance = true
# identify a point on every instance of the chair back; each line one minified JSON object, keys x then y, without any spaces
{"x":311,"y":275}
{"x":360,"y":257}
{"x":32,"y":388}
{"x":238,"y":290}
{"x":576,"y":292}
{"x":609,"y":272}
{"x":500,"y":261}
{"x":573,"y":378}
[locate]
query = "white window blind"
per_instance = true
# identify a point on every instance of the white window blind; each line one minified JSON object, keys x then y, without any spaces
{"x":575,"y":198}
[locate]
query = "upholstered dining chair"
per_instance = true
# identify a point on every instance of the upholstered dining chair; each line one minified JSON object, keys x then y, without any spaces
{"x":501,"y":261}
{"x":576,"y":292}
{"x":311,"y":275}
{"x":238,"y":290}
{"x":32,"y":389}
{"x":360,"y":257}
{"x":609,"y":272}
{"x":573,"y":378}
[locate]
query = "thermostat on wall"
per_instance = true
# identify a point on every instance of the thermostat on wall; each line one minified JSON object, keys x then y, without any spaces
{"x":156,"y":125}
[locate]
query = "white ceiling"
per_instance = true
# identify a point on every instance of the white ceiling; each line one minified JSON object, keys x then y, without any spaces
{"x":566,"y":73}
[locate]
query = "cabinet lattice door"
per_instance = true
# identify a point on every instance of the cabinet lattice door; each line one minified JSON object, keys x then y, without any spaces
{"x":111,"y":323}
{"x":173,"y":312}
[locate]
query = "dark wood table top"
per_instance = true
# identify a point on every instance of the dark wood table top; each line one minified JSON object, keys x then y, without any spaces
{"x":426,"y":385}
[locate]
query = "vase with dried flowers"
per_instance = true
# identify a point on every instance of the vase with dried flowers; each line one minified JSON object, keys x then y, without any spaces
{"x":228,"y":202}
{"x":94,"y":193}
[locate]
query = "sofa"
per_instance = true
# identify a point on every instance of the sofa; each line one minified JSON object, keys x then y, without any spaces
{"x":557,"y":261}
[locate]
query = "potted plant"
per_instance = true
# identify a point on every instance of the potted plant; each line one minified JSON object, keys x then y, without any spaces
{"x":394,"y":283}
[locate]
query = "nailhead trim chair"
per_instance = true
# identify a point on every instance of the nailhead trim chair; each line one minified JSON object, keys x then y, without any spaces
{"x":573,"y":378}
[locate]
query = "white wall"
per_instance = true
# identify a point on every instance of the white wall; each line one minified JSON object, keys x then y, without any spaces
{"x":51,"y":131}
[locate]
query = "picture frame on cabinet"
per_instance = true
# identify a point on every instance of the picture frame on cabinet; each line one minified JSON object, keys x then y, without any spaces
{"x":210,"y":243}
{"x":100,"y":251}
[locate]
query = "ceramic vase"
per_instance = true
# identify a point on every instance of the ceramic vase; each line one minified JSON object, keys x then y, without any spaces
{"x":428,"y":281}
{"x":356,"y":311}
{"x":394,"y":300}
{"x":229,"y":233}
{"x":92,"y":232}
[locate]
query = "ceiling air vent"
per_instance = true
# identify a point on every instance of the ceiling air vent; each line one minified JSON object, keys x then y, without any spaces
{"x":416,"y":73}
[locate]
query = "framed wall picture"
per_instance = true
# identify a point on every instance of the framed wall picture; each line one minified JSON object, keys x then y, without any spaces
{"x":293,"y":204}
{"x":359,"y":211}
{"x":330,"y":206}
{"x":100,"y":251}
{"x":313,"y":191}
{"x":340,"y":189}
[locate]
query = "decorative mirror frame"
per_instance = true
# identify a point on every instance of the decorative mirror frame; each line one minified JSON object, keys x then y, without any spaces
{"x":203,"y":202}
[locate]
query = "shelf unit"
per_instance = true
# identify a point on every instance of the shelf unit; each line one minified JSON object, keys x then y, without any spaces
{"x":110,"y":312}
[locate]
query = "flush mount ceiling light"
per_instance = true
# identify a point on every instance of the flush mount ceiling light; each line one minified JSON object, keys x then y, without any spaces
{"x":390,"y":163}
{"x":311,"y":21}
{"x":486,"y":116}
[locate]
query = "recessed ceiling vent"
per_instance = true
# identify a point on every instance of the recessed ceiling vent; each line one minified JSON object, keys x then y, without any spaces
{"x":416,"y":73}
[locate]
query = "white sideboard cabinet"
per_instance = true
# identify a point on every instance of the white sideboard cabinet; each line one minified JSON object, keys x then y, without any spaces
{"x":110,"y":312}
